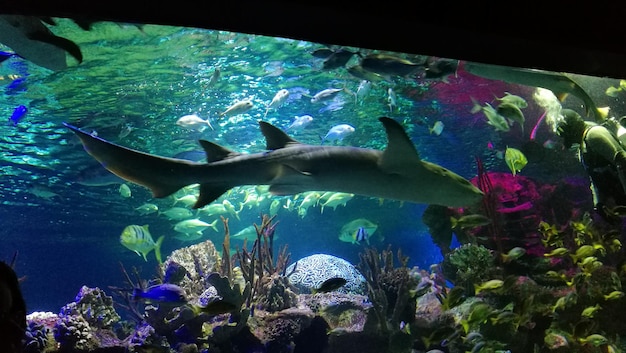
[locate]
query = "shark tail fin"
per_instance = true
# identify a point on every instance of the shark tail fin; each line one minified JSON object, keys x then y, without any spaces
{"x":137,"y":167}
{"x":157,"y":249}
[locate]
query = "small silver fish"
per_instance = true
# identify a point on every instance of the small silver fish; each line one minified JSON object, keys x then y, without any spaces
{"x":362,"y":91}
{"x":325,"y":95}
{"x":300,"y":122}
{"x":437,"y":128}
{"x":125,"y":130}
{"x":214,"y":78}
{"x":194,"y":122}
{"x":392,"y":99}
{"x":338,"y":132}
{"x":238,"y":108}
{"x":278,"y":100}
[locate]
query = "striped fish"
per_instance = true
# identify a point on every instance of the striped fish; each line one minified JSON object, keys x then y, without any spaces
{"x":138,"y":239}
{"x":361,"y":235}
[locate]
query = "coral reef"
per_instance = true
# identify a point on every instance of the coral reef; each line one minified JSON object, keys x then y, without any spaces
{"x":94,"y":306}
{"x":87,"y":322}
{"x":36,"y":338}
{"x":278,"y":331}
{"x":569,"y":298}
{"x":311,"y":271}
{"x":390,"y":290}
{"x":72,"y":332}
{"x":198,"y":261}
{"x":145,"y":336}
{"x":342,"y":312}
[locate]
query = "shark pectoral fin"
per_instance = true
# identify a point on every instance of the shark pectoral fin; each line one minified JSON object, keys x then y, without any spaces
{"x":275,"y":138}
{"x":284,"y":189}
{"x":210,"y":193}
{"x":400,"y":151}
{"x":138,"y":167}
{"x":289,"y":181}
{"x":215,"y":152}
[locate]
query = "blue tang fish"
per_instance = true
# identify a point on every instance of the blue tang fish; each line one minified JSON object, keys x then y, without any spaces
{"x":162,"y":293}
{"x":18,"y":114}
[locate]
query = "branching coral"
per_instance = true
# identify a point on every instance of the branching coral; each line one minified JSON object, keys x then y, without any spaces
{"x":271,"y":289}
{"x":389,"y":289}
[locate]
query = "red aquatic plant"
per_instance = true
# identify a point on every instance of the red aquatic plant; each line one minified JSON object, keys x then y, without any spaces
{"x":489,"y":204}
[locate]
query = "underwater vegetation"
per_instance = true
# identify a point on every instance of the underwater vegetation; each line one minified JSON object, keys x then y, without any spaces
{"x":520,"y":281}
{"x":524,"y":283}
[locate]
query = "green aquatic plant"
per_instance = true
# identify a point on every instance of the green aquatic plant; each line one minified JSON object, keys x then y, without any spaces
{"x":579,"y":303}
{"x":468,"y":265}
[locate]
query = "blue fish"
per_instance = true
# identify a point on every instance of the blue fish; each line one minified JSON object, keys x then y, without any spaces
{"x":6,"y":56}
{"x":361,"y":235}
{"x":16,"y":86}
{"x":18,"y":114}
{"x":161,"y":293}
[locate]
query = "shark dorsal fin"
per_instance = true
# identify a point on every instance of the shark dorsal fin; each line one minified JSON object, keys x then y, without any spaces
{"x":400,"y":149}
{"x":215,"y":152}
{"x":275,"y":138}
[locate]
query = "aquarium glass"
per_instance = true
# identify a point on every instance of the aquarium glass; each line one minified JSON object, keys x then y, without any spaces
{"x":396,"y":252}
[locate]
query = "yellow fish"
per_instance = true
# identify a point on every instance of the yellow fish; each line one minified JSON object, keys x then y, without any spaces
{"x":489,"y":285}
{"x":515,"y":159}
{"x":138,"y":239}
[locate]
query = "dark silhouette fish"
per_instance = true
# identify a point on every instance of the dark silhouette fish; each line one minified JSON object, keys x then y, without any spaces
{"x":12,"y":310}
{"x":383,"y":64}
{"x":29,"y":37}
{"x":291,"y":167}
{"x":338,"y":59}
{"x":330,"y":285}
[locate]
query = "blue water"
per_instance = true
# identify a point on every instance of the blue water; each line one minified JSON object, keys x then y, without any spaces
{"x":147,"y":80}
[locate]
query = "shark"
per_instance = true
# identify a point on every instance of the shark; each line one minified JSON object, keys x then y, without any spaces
{"x":560,"y":83}
{"x":291,"y":167}
{"x":32,"y":40}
